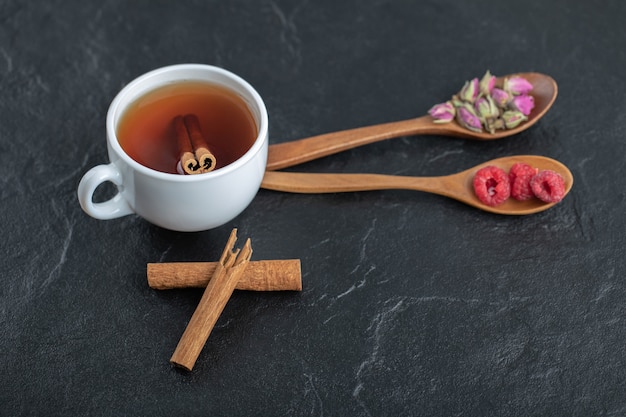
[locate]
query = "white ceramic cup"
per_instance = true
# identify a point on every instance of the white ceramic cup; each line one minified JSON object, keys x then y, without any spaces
{"x":184,"y":203}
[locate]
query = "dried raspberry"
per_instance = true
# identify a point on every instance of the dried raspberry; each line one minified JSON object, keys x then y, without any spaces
{"x":520,"y":175}
{"x":548,"y":186}
{"x":491,"y":185}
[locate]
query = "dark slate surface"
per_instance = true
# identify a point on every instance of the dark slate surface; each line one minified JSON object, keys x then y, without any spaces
{"x":413,"y":304}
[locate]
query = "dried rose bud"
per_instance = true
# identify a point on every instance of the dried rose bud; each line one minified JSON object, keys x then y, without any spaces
{"x":517,"y":85}
{"x":512,"y":118}
{"x":486,"y":108}
{"x":523,"y":103}
{"x":456,"y":101}
{"x":467,"y":117}
{"x":500,"y":97}
{"x":442,"y":112}
{"x":470,"y":90}
{"x":487,"y":83}
{"x":494,"y":124}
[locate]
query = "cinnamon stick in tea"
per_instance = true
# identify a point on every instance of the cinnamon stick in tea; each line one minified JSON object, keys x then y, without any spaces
{"x":270,"y":275}
{"x":230,"y":268}
{"x":188,"y":160}
{"x":205,"y":158}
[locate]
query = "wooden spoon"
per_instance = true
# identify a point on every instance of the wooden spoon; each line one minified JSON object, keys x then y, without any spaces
{"x":457,"y":186}
{"x":292,"y":153}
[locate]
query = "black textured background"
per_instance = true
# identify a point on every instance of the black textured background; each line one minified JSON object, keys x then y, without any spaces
{"x":413,"y":304}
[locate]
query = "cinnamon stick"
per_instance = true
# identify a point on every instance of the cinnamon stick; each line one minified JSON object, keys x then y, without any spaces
{"x":270,"y":275}
{"x":187,"y":158}
{"x":230,"y":268}
{"x":205,"y":158}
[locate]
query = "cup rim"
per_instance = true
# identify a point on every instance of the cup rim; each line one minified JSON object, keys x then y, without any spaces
{"x":257,"y":146}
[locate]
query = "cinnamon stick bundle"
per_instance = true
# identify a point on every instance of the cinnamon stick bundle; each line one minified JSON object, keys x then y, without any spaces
{"x":229,"y":270}
{"x":195,"y":156}
{"x":205,"y":158}
{"x":270,"y":275}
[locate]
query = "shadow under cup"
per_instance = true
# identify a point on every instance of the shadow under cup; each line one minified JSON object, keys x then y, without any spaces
{"x":174,"y":201}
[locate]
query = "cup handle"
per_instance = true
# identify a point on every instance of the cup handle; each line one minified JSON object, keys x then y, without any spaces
{"x":113,"y":208}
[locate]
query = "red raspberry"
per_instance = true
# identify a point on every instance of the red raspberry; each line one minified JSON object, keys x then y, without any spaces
{"x":520,"y":175}
{"x":548,"y":186}
{"x":491,"y":185}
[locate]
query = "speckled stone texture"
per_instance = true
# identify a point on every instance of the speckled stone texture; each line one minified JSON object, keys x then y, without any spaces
{"x":413,"y":304}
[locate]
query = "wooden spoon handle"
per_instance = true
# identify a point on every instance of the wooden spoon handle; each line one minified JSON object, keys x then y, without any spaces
{"x":292,"y":153}
{"x":305,"y":183}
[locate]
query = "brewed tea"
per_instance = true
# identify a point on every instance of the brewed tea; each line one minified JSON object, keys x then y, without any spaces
{"x":146,"y":131}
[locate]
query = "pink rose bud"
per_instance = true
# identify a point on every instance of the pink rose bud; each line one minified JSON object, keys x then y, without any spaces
{"x":501,"y":97}
{"x":442,"y":112}
{"x":469,"y":119}
{"x":512,"y":118}
{"x":523,"y":103}
{"x":517,"y":85}
{"x":470,"y":90}
{"x":487,"y":83}
{"x":486,"y":107}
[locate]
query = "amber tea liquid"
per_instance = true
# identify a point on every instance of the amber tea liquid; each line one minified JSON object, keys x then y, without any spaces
{"x":146,"y":133}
